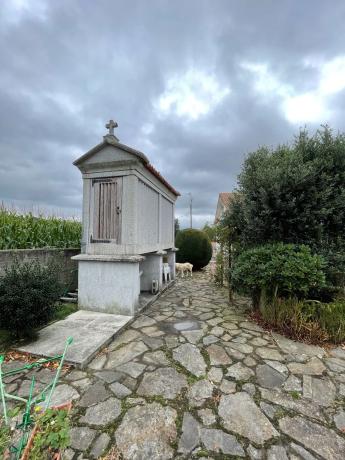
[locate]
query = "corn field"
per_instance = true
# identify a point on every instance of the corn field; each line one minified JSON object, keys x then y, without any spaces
{"x":28,"y":231}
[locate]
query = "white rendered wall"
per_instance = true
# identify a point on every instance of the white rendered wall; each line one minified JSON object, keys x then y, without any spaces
{"x":152,"y":268}
{"x":148,"y":214}
{"x":171,"y":262}
{"x":108,"y":287}
{"x":167,"y":221}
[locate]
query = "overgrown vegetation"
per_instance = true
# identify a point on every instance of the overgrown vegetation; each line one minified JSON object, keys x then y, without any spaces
{"x":53,"y":434}
{"x":28,"y":231}
{"x":194,"y":247}
{"x":28,"y":293}
{"x":307,"y":320}
{"x":284,"y":234}
{"x":5,"y":437}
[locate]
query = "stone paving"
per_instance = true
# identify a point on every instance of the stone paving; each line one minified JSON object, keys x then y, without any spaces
{"x":191,"y":378}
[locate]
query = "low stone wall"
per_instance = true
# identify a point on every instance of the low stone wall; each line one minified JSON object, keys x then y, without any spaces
{"x":69,"y":268}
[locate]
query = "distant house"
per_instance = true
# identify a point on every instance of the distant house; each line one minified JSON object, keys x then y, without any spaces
{"x":224,"y":200}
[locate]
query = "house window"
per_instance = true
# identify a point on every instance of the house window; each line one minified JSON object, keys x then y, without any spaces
{"x":107,"y":194}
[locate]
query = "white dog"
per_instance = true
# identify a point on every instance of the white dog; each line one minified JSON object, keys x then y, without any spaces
{"x":184,"y":268}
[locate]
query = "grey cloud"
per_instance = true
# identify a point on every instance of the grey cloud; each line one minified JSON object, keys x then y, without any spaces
{"x":75,"y":64}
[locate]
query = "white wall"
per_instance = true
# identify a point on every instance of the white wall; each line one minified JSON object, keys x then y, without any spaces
{"x":148,"y":214}
{"x":167,"y":221}
{"x":108,"y":287}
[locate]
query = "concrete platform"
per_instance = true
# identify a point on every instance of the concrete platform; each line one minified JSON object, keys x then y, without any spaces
{"x":90,"y":331}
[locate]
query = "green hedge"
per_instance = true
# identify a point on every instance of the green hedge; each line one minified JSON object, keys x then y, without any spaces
{"x":194,"y":247}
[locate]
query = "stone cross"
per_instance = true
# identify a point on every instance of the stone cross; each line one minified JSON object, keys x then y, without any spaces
{"x":111,"y":125}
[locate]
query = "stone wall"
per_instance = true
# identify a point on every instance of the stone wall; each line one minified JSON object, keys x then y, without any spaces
{"x":69,"y":268}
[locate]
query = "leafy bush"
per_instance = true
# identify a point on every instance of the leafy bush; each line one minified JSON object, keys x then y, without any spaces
{"x":194,"y":247}
{"x":277,"y":270}
{"x":307,"y":320}
{"x":28,"y":231}
{"x":28,"y":292}
{"x":296,"y":193}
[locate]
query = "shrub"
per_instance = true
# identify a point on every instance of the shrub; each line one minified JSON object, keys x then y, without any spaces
{"x":277,"y":270}
{"x":194,"y":247}
{"x":28,"y":292}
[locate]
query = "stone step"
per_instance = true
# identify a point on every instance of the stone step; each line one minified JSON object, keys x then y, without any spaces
{"x":69,"y":299}
{"x":73,"y":294}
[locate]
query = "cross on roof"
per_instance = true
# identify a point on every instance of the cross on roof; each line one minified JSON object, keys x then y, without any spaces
{"x":111,"y":125}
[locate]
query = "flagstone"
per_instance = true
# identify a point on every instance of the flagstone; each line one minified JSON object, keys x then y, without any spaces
{"x":157,"y":358}
{"x":190,"y":357}
{"x":320,"y":440}
{"x":339,"y":420}
{"x":124,"y":354}
{"x":209,"y":339}
{"x":190,"y":436}
{"x":81,"y":437}
{"x":146,"y":432}
{"x":313,"y":367}
{"x":94,"y":394}
{"x":102,"y":413}
{"x":321,"y":391}
{"x":299,"y":405}
{"x":220,"y":442}
{"x":239,"y":372}
{"x":193,"y":336}
{"x":268,"y":377}
{"x":277,"y":453}
{"x":297,"y":348}
{"x":207,"y":416}
{"x":166,"y":382}
{"x":119,"y":390}
{"x":143,"y":321}
{"x":215,"y":374}
{"x":218,"y":355}
{"x":199,"y":392}
{"x":240,"y":414}
{"x":269,"y":353}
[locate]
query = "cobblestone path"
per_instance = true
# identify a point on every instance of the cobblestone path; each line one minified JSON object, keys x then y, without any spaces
{"x":192,"y":378}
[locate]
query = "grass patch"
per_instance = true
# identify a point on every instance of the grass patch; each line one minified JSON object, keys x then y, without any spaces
{"x":63,"y":310}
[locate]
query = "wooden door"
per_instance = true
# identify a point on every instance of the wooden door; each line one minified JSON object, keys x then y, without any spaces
{"x":107,"y":199}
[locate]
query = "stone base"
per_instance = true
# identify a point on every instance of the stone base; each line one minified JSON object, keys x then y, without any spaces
{"x":109,"y":284}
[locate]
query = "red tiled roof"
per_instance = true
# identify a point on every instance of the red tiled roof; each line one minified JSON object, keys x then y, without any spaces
{"x":156,"y":173}
{"x":225,"y":197}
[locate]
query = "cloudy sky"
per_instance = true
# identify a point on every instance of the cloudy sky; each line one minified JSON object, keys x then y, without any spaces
{"x":195,"y":84}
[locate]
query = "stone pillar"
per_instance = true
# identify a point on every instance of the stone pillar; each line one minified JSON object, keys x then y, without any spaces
{"x":171,"y":262}
{"x":152,"y":268}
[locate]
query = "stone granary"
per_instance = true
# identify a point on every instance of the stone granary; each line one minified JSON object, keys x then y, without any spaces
{"x":128,"y":227}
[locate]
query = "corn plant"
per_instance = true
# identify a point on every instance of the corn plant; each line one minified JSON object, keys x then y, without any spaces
{"x":28,"y":231}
